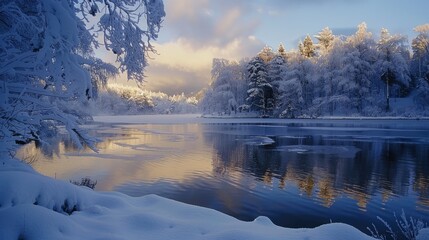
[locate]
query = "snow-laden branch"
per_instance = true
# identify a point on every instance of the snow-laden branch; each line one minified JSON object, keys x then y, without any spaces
{"x":46,"y":59}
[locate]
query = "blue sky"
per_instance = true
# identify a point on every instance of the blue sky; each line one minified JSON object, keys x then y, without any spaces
{"x":196,"y":31}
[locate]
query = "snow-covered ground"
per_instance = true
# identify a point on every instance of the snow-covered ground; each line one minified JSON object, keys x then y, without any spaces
{"x":33,"y":206}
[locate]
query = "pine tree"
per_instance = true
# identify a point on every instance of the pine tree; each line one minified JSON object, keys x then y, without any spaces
{"x":281,"y":51}
{"x":331,"y":81}
{"x":392,"y":64}
{"x":266,"y":54}
{"x":420,"y":46}
{"x":296,"y":89}
{"x":325,"y":38}
{"x":276,"y":72}
{"x":260,"y":91}
{"x":307,"y":48}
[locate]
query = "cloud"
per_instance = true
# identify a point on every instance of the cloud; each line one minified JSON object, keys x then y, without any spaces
{"x":170,"y":80}
{"x":180,"y":67}
{"x":198,"y":31}
{"x":204,"y":23}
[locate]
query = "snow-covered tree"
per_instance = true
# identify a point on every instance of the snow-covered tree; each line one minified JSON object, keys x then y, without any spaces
{"x":223,"y":96}
{"x":295,"y":91}
{"x":125,"y":100}
{"x":420,"y":64}
{"x":331,"y":78}
{"x":266,"y":54}
{"x":260,"y":92}
{"x":325,"y":38}
{"x":276,"y":71}
{"x":392,"y":63}
{"x":307,"y":48}
{"x":46,"y":59}
{"x":420,"y":46}
{"x":358,"y":61}
{"x":228,"y":88}
{"x":350,"y":75}
{"x":282,"y":51}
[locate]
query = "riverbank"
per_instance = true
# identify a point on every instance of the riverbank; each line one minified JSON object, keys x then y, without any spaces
{"x":33,"y":206}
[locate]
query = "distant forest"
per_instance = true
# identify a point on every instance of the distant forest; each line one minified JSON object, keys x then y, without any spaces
{"x":355,"y":75}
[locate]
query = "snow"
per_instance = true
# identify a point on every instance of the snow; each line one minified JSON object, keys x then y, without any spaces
{"x":33,"y":206}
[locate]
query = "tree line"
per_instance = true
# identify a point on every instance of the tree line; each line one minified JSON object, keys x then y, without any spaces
{"x":338,"y":75}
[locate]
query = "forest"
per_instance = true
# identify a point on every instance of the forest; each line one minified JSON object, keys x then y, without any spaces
{"x":356,"y":75}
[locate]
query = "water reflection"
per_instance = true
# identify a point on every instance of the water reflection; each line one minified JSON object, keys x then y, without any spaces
{"x":300,"y":175}
{"x":326,"y":166}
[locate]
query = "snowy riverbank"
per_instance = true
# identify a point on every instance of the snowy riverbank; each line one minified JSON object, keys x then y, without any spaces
{"x":33,"y":206}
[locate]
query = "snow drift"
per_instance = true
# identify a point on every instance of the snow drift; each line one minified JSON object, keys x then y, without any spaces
{"x":33,"y":206}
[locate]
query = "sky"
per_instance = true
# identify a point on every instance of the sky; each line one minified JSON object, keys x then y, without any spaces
{"x":196,"y":31}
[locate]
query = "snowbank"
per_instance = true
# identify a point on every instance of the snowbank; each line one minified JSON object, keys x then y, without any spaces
{"x":33,"y":206}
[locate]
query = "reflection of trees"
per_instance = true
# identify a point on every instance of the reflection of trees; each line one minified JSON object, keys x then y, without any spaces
{"x":326,"y":192}
{"x":381,"y":167}
{"x":62,"y":143}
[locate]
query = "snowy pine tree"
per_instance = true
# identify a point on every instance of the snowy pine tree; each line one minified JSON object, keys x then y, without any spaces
{"x":307,"y":48}
{"x":266,"y":54}
{"x":420,"y":64}
{"x":276,"y":72}
{"x":392,"y":65}
{"x":330,"y":66}
{"x":358,"y":69}
{"x":325,"y":38}
{"x":420,"y":46}
{"x":282,"y":51}
{"x":260,"y":91}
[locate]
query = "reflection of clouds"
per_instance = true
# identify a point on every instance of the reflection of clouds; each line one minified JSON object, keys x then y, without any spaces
{"x":145,"y":147}
{"x":135,"y":156}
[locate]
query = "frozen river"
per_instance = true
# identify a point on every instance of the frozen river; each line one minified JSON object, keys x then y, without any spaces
{"x":300,"y":173}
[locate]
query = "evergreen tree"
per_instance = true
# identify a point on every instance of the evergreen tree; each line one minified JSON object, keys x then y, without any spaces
{"x":392,"y":64}
{"x":331,"y":78}
{"x":276,"y":73}
{"x":420,"y":64}
{"x":325,"y":38}
{"x":282,"y":51}
{"x":295,"y":91}
{"x":359,"y":58}
{"x":420,"y":46}
{"x":260,"y":92}
{"x":307,"y":48}
{"x":266,"y":54}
